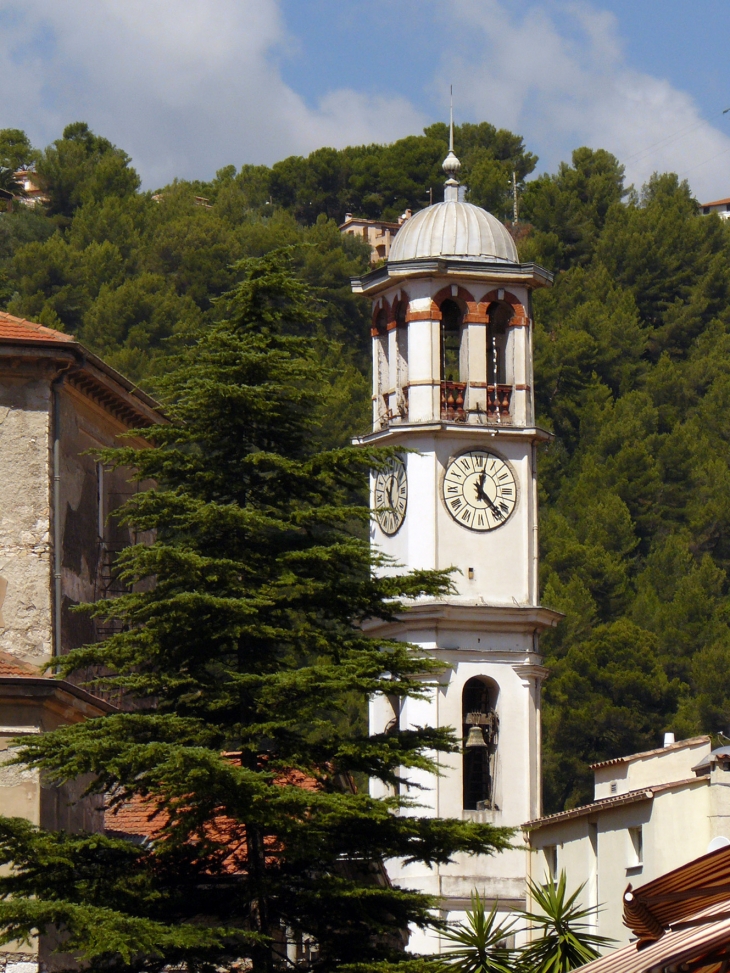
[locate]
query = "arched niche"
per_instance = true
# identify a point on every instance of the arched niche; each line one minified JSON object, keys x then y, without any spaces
{"x":480,"y":732}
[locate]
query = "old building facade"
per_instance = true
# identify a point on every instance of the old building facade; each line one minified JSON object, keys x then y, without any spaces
{"x":58,"y":404}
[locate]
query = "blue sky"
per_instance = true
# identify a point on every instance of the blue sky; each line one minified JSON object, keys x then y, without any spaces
{"x":187,"y":86}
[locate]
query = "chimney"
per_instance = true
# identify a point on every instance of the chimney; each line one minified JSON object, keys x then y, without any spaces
{"x":668,"y":739}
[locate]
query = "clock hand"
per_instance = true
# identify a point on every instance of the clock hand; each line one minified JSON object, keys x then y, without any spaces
{"x":389,"y":491}
{"x":481,"y":495}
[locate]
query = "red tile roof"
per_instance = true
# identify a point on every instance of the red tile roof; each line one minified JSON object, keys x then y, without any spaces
{"x":19,"y":329}
{"x":10,"y":665}
{"x":670,"y":747}
{"x":135,"y":817}
{"x":604,"y":803}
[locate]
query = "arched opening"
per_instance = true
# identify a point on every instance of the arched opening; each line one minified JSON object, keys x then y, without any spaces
{"x":381,"y":368}
{"x":498,"y":391}
{"x":500,"y":315}
{"x":480,"y":729}
{"x":401,"y":339}
{"x":453,"y":388}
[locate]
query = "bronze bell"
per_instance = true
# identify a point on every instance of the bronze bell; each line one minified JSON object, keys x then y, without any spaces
{"x":475,"y":738}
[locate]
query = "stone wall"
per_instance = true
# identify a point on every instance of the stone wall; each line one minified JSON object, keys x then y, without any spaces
{"x":25,"y":594}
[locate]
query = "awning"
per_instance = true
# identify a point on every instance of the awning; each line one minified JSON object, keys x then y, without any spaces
{"x":703,"y":948}
{"x":670,"y":902}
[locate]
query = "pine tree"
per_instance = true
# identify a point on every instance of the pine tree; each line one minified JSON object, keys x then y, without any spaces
{"x":240,"y":648}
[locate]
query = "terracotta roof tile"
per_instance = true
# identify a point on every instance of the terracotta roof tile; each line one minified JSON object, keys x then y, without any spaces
{"x":19,"y":329}
{"x":629,"y":797}
{"x":677,"y":745}
{"x":10,"y":665}
{"x":135,"y":817}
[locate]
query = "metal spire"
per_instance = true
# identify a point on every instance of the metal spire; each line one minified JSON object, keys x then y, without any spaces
{"x":451,"y":118}
{"x":451,"y":164}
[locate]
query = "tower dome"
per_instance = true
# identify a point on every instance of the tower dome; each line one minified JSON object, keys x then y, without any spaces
{"x":453,"y":228}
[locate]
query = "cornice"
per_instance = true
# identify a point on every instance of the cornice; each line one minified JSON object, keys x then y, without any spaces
{"x":528,"y":274}
{"x":522,"y":619}
{"x":402,"y":430}
{"x":88,"y":374}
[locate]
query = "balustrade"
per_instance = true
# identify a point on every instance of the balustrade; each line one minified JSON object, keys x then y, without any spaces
{"x":453,"y":397}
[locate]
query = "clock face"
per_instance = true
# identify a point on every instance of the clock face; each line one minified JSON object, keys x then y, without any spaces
{"x":391,"y":496}
{"x":479,"y":490}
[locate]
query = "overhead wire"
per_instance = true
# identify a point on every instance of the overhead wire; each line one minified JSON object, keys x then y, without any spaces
{"x":668,"y":139}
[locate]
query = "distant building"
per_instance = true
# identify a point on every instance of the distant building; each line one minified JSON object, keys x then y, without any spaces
{"x":652,"y":812}
{"x":33,"y":192}
{"x":720,"y":206}
{"x":377,"y":233}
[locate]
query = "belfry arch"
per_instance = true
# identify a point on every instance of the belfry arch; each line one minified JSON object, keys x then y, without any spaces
{"x":480,"y":729}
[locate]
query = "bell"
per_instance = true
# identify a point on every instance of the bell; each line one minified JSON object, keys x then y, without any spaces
{"x":475,"y":738}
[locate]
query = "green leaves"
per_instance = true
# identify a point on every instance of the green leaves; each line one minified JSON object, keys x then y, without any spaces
{"x":563,"y":941}
{"x":559,"y":937}
{"x":479,"y":945}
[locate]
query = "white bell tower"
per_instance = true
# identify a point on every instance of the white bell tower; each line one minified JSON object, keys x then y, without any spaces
{"x":452,"y":379}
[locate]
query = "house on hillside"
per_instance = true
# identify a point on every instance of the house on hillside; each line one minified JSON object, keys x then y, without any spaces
{"x":378,"y":234}
{"x":58,"y":401}
{"x":719,"y":206}
{"x":652,"y":813}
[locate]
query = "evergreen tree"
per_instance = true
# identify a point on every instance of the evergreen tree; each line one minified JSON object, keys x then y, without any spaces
{"x":240,"y":648}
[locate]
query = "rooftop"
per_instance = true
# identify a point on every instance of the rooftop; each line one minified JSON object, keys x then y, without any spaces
{"x":679,"y":745}
{"x":605,"y":803}
{"x":87,"y":373}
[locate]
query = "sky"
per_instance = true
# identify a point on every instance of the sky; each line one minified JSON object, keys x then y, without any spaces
{"x":189,"y":86}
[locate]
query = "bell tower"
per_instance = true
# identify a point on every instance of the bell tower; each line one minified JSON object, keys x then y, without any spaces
{"x":452,"y":380}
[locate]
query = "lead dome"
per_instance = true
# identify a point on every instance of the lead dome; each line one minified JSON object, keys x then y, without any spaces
{"x":454,"y":229}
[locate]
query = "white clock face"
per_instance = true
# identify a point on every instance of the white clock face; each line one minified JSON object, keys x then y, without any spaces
{"x":391,"y":496}
{"x":479,"y":490}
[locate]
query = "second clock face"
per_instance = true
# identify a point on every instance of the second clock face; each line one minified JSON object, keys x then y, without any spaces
{"x":479,"y":490}
{"x":391,"y":496}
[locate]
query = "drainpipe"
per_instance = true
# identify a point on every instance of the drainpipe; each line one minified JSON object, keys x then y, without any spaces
{"x":535,"y":579}
{"x":56,"y":511}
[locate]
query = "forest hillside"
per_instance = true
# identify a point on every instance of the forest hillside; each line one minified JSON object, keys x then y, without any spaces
{"x":632,"y":365}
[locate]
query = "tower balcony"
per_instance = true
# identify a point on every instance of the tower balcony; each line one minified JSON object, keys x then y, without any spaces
{"x":454,"y":402}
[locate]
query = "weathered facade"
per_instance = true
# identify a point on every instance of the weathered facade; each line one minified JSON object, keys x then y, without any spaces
{"x":58,"y":404}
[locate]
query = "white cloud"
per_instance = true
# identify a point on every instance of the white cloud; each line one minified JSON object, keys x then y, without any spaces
{"x":556,"y":73}
{"x":185,"y":86}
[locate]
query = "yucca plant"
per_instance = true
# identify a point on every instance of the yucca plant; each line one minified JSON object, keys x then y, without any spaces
{"x":479,"y":944}
{"x":564,"y":940}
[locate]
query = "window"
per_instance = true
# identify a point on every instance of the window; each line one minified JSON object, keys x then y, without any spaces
{"x":636,"y":847}
{"x":551,"y":862}
{"x":480,"y":729}
{"x":614,"y":786}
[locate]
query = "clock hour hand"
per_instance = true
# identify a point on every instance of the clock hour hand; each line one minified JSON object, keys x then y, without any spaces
{"x":389,"y":491}
{"x":481,"y":495}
